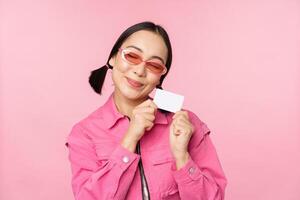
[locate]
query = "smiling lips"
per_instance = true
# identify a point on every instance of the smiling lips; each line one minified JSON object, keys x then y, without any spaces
{"x":134,"y":83}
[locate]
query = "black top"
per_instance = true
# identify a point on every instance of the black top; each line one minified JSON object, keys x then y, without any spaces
{"x":145,"y":190}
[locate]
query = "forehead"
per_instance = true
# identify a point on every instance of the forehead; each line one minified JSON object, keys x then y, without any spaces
{"x":150,"y":43}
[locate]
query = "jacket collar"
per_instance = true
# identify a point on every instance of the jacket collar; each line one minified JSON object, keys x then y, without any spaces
{"x":111,"y":115}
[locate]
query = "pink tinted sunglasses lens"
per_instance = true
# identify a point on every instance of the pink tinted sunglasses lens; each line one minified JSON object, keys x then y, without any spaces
{"x":155,"y":67}
{"x":133,"y":58}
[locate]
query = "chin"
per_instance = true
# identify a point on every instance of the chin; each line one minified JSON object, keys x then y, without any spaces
{"x":130,"y":93}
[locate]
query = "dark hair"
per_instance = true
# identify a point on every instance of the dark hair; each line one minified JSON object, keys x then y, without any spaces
{"x":97,"y":76}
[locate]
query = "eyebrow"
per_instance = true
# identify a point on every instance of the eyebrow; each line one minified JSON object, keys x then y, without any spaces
{"x":139,"y":49}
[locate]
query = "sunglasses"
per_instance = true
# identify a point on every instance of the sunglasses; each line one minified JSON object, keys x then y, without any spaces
{"x":133,"y":58}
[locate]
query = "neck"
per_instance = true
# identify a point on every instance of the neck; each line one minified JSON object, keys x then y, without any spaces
{"x":125,"y":105}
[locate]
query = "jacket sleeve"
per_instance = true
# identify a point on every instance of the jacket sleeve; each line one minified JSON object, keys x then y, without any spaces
{"x":93,"y":178}
{"x":202,"y":177}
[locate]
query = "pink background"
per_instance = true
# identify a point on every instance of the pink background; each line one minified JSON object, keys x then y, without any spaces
{"x":236,"y":62}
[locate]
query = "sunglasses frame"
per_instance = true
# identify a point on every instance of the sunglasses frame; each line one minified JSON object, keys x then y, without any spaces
{"x":123,"y":50}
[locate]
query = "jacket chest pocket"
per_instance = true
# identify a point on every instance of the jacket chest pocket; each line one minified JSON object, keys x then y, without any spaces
{"x":161,"y":161}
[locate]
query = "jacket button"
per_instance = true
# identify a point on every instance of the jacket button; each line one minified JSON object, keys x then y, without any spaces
{"x":191,"y":170}
{"x":125,"y":159}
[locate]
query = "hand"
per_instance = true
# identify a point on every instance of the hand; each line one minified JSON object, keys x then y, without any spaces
{"x":141,"y":119}
{"x":181,"y":130}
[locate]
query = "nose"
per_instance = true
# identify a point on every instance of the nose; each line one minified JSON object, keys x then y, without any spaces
{"x":140,"y":69}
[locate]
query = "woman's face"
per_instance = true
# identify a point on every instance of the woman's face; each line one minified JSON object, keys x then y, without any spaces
{"x":146,"y":44}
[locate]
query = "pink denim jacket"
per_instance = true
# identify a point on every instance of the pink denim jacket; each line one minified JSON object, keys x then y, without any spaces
{"x":103,"y":169}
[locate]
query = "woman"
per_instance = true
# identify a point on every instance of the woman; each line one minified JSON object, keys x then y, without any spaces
{"x":130,"y":149}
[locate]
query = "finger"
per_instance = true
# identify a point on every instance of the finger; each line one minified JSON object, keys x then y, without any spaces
{"x":182,"y":128}
{"x":148,"y":103}
{"x":177,"y":130}
{"x":182,"y":122}
{"x":143,"y":117}
{"x":185,"y":122}
{"x":149,"y":117}
{"x":186,"y":129}
{"x":152,"y":104}
{"x":181,"y":113}
{"x":175,"y":115}
{"x":174,"y":131}
{"x":181,"y":118}
{"x":145,"y":110}
{"x":149,"y":125}
{"x":144,"y":103}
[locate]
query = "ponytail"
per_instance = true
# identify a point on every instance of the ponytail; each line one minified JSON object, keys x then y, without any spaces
{"x":97,"y":77}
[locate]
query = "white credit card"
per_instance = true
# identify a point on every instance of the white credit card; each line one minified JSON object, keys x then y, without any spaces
{"x":168,"y":100}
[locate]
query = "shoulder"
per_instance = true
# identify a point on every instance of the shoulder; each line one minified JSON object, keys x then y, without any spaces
{"x":81,"y":130}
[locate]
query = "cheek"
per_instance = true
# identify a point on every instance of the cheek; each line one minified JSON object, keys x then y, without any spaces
{"x":153,"y":79}
{"x":122,"y":66}
{"x":117,"y":77}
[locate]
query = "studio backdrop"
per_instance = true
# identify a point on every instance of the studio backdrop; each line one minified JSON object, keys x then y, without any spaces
{"x":236,"y":62}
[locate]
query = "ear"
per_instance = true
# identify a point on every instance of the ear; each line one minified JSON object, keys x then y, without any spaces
{"x":112,"y":61}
